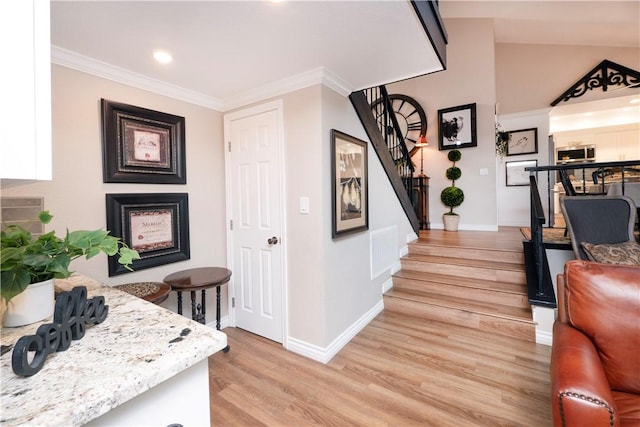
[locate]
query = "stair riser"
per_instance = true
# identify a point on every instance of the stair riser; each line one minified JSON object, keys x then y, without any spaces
{"x":467,"y":253}
{"x":500,"y":326}
{"x":474,"y":294}
{"x":466,"y":271}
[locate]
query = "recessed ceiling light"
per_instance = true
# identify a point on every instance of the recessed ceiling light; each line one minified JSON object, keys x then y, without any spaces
{"x":635,"y":100}
{"x":162,"y":56}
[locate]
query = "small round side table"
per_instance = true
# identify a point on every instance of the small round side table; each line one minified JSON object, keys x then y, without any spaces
{"x":149,"y":291}
{"x":199,"y":279}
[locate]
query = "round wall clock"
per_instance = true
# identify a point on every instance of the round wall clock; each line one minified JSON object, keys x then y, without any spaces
{"x":410,"y":115}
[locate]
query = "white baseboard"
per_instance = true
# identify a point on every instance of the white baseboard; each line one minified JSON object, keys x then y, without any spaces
{"x":388,"y":284}
{"x":514,"y":224}
{"x":324,"y":355}
{"x":224,"y":322}
{"x":404,"y":251}
{"x":544,"y":337}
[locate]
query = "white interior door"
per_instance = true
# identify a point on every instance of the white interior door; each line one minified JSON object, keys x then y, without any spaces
{"x":253,"y":162}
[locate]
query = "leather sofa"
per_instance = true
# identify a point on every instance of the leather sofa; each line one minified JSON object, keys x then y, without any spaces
{"x":595,"y":358}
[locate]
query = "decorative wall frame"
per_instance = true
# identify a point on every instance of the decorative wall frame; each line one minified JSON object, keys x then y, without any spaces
{"x":457,"y":127}
{"x":523,"y":141}
{"x":156,"y":225}
{"x":141,"y":145}
{"x":350,"y":184}
{"x":516,"y":175}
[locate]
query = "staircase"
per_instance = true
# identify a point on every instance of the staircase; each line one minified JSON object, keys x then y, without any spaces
{"x":468,"y":278}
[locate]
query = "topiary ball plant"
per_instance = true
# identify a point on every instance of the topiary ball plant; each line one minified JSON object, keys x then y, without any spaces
{"x":453,"y":196}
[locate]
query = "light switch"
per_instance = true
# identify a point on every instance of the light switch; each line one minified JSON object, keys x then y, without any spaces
{"x":304,"y":205}
{"x":484,"y":172}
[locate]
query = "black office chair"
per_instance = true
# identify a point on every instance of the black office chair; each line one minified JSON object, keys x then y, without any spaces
{"x":598,"y":220}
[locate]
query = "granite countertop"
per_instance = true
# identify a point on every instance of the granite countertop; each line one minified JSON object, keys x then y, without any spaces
{"x":133,"y":350}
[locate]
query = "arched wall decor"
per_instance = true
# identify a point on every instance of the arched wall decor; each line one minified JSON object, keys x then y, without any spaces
{"x":605,"y":74}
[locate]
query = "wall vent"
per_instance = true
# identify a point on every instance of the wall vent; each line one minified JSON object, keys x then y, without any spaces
{"x":22,"y":211}
{"x":384,"y":250}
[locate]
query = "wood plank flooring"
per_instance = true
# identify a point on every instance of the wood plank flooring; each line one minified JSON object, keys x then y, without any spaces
{"x":398,"y":371}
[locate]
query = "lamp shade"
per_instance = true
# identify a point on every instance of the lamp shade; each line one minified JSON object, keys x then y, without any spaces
{"x":422,"y":142}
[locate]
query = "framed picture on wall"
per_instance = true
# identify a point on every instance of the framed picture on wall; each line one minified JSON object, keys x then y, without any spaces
{"x":516,"y":175}
{"x":349,"y":187}
{"x":142,"y":146}
{"x":523,"y":141}
{"x":156,"y":225}
{"x":457,"y":127}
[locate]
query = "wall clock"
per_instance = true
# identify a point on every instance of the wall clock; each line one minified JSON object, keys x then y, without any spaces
{"x":410,"y":115}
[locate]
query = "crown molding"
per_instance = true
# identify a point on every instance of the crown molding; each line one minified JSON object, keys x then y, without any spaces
{"x":73,"y":60}
{"x":85,"y":64}
{"x":320,"y":75}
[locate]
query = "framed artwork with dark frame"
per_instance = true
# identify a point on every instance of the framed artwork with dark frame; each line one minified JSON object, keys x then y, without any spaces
{"x":524,"y":141}
{"x":141,"y":145}
{"x":516,"y":175}
{"x":457,"y":127}
{"x":349,"y":187}
{"x":155,"y":225}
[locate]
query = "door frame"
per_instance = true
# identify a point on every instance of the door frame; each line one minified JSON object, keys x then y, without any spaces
{"x":276,"y":106}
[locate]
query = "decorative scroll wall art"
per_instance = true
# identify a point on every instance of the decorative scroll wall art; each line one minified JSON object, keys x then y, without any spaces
{"x":605,"y":74}
{"x":155,"y":225}
{"x":142,"y":146}
{"x":349,"y":189}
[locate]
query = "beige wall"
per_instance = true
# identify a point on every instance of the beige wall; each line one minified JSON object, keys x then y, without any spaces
{"x":329,"y":283}
{"x":522,"y":80}
{"x":530,"y":77}
{"x":349,"y":289}
{"x":469,"y":78}
{"x":305,"y":257}
{"x":76,"y":195}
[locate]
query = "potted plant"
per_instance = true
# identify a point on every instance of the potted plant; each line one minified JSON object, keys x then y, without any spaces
{"x":452,"y":196}
{"x":27,"y":262}
{"x":502,"y":140}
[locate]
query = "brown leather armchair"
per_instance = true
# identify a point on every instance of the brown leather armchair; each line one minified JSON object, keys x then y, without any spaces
{"x":595,"y":358}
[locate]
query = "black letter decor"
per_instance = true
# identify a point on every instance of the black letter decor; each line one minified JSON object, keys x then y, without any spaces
{"x":71,"y":315}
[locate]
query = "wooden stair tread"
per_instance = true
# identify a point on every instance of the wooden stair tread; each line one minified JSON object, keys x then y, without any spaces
{"x":487,"y":309}
{"x":471,"y":279}
{"x":473,"y":244}
{"x":494,"y":265}
{"x":445,"y":279}
{"x":507,"y":239}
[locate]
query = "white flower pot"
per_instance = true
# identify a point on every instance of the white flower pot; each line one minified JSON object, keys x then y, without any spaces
{"x":451,"y":222}
{"x":34,"y":304}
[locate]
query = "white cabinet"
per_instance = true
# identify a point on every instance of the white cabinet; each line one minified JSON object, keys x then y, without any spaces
{"x":25,"y":105}
{"x":618,"y":146}
{"x":613,"y":143}
{"x":630,"y":145}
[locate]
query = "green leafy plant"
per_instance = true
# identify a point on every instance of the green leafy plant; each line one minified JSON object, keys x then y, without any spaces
{"x":452,"y":196}
{"x":26,"y":260}
{"x":502,"y":140}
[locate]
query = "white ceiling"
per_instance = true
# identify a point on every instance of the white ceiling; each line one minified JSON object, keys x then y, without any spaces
{"x":228,"y":52}
{"x":225,"y":50}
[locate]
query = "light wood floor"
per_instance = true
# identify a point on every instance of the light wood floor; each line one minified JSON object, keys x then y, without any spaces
{"x":399,"y":371}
